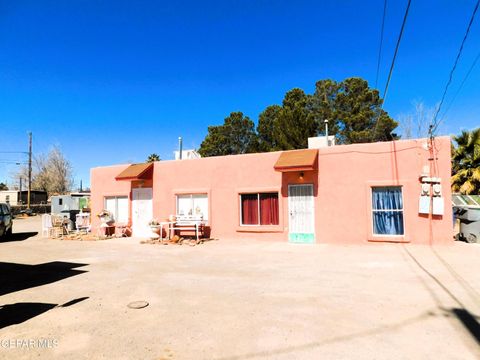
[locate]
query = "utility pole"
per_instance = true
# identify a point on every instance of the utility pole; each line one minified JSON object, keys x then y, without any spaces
{"x":21,"y":188}
{"x":29,"y":168}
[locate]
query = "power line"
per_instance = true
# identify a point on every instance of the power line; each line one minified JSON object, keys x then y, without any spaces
{"x":461,"y":85}
{"x":396,"y":50}
{"x":10,"y":160}
{"x":393,"y":63}
{"x":434,"y":124}
{"x":381,"y":42}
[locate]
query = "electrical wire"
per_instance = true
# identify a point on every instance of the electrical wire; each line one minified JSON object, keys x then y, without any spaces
{"x":461,"y":85}
{"x":399,"y":39}
{"x":434,"y":124}
{"x":381,"y":42}
{"x":396,"y":50}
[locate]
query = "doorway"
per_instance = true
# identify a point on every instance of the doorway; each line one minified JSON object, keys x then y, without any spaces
{"x":301,"y":210}
{"x":142,"y":211}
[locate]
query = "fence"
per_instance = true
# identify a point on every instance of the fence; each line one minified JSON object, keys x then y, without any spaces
{"x":35,"y":208}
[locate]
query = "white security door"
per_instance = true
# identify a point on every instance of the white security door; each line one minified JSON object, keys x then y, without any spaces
{"x":142,"y":211}
{"x":301,"y":209}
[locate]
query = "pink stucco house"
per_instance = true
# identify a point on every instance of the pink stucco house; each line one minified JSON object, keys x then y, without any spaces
{"x":390,"y":191}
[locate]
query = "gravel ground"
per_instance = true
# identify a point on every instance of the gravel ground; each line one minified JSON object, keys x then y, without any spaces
{"x":236,"y":300}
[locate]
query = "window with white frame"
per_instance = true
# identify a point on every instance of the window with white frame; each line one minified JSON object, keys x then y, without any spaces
{"x":118,"y":207}
{"x":193,"y":204}
{"x":387,"y":210}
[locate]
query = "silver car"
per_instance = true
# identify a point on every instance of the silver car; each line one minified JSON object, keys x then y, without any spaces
{"x":6,"y":220}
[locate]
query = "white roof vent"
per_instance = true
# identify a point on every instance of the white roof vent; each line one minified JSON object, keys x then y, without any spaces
{"x":319,"y":142}
{"x":187,"y":154}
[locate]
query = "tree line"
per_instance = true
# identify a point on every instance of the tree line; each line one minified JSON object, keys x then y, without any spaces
{"x":353,"y":110}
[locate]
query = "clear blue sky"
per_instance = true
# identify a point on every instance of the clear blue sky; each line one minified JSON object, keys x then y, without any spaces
{"x":113,"y":81}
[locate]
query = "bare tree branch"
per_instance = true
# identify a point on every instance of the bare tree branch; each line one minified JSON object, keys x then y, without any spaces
{"x":51,"y":173}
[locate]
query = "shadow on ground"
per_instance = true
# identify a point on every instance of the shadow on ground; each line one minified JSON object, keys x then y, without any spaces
{"x":469,"y":322}
{"x":20,"y":236}
{"x":463,"y":315}
{"x":13,"y":314}
{"x":16,"y":277}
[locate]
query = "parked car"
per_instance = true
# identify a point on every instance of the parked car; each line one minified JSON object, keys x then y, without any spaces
{"x":6,"y":220}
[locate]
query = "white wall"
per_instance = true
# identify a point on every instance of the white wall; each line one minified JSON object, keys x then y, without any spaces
{"x":319,"y":142}
{"x":68,"y":203}
{"x":187,"y":154}
{"x":12,"y":195}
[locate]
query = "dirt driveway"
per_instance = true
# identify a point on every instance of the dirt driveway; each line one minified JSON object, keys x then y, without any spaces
{"x":236,"y":300}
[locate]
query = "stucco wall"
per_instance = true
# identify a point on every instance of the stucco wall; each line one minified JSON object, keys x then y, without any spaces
{"x":102,"y":184}
{"x":222,"y":178}
{"x":342,"y":189}
{"x":346,"y":174}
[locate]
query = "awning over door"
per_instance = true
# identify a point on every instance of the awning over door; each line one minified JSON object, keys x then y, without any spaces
{"x":136,"y":172}
{"x":297,"y":160}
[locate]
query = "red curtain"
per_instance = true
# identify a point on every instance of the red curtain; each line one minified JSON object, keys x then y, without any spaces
{"x":269,"y":209}
{"x":249,"y":209}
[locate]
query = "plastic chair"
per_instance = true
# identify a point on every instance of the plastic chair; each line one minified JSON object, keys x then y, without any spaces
{"x":46,"y":225}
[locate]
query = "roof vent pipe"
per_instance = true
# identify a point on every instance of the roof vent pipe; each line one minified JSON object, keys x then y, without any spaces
{"x":180,"y":148}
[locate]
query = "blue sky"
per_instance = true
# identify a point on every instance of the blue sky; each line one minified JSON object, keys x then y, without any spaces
{"x":113,"y":81}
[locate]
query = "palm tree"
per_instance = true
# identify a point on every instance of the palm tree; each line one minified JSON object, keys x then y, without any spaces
{"x":466,"y":162}
{"x":153,"y":157}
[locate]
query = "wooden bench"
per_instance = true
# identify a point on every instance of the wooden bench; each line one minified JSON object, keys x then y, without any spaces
{"x":189,"y":223}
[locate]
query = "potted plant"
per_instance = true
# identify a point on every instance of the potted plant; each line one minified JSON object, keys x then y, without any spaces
{"x":155,"y":227}
{"x":105,"y":217}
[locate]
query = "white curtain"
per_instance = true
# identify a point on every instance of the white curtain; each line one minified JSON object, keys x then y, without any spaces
{"x":184,"y":205}
{"x":110,"y":205}
{"x":193,"y":204}
{"x":122,"y":210}
{"x":200,"y":205}
{"x":118,"y":207}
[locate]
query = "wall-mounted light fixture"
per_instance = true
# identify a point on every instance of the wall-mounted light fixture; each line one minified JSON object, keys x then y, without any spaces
{"x":300,"y":176}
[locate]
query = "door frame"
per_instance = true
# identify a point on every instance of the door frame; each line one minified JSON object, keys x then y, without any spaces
{"x":301,"y":238}
{"x":137,"y":230}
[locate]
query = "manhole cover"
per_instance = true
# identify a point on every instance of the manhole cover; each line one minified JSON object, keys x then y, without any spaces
{"x":138,"y":304}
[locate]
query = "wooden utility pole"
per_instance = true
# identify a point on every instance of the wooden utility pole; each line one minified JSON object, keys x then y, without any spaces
{"x":29,"y":168}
